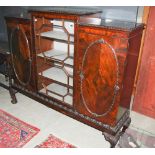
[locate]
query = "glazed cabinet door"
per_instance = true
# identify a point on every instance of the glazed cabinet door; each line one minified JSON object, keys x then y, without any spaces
{"x":20,"y":48}
{"x":54,"y":50}
{"x":98,"y":78}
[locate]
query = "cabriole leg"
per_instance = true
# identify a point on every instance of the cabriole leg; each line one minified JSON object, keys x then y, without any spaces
{"x":11,"y":90}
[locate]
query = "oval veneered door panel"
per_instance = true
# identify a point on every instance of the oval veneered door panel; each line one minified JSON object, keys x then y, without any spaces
{"x":99,"y":81}
{"x":20,"y":53}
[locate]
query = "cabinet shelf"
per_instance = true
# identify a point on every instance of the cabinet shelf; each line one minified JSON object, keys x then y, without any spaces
{"x":47,"y":81}
{"x":59,"y":92}
{"x":58,"y":56}
{"x":58,"y":35}
{"x":59,"y":75}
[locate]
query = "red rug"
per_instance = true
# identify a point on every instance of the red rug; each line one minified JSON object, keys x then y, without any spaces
{"x":54,"y":142}
{"x":14,"y":133}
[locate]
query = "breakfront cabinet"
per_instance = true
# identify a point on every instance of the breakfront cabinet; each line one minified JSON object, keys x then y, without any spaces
{"x":78,"y":64}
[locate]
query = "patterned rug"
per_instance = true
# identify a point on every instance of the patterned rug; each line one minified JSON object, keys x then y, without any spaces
{"x":54,"y":142}
{"x":14,"y":133}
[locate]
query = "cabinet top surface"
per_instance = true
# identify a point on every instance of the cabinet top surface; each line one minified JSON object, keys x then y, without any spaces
{"x":80,"y":11}
{"x":65,"y":10}
{"x":21,"y":16}
{"x":113,"y":24}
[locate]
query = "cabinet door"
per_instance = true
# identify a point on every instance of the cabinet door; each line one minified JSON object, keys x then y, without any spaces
{"x":98,"y":85}
{"x":21,"y":56}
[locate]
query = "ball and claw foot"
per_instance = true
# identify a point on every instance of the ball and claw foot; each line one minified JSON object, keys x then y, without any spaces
{"x":14,"y":101}
{"x":13,"y":97}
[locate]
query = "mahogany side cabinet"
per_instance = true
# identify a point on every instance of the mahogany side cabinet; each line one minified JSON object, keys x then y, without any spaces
{"x":78,"y":64}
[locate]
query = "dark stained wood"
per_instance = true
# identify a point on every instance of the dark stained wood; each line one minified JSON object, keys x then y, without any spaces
{"x":54,"y":15}
{"x":20,"y":31}
{"x":43,"y":80}
{"x":43,"y":64}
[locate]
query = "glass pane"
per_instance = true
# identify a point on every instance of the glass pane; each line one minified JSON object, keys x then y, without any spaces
{"x":55,"y":58}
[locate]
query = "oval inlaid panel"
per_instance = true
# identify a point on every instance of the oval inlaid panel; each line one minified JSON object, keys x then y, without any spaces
{"x":20,"y":53}
{"x":99,"y":81}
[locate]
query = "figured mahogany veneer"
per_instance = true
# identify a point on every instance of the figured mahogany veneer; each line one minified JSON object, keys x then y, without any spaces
{"x":103,"y":66}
